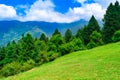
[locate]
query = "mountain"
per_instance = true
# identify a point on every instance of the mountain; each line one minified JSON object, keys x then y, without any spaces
{"x":100,"y":63}
{"x":12,"y":30}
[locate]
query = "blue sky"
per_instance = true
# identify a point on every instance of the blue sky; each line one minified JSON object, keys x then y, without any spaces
{"x":52,"y":10}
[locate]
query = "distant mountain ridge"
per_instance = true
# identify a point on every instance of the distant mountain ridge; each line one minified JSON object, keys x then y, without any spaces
{"x":12,"y":30}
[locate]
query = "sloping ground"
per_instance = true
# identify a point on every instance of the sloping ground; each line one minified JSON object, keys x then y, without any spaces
{"x":101,"y":63}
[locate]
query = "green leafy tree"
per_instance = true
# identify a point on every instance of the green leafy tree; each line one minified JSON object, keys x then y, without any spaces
{"x":74,"y":45}
{"x":96,"y":37}
{"x":55,"y":42}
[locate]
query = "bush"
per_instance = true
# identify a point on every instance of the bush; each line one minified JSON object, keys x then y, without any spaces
{"x":91,"y":44}
{"x":78,"y":44}
{"x":52,"y":55}
{"x":96,"y":37}
{"x":27,"y":65}
{"x":11,"y":69}
{"x":75,"y":45}
{"x":116,"y":36}
{"x":44,"y":57}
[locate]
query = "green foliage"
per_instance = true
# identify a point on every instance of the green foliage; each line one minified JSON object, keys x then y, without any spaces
{"x":91,"y":44}
{"x":116,"y":36}
{"x":56,"y":32}
{"x":75,"y":45}
{"x":111,"y":22}
{"x":101,"y":63}
{"x":28,"y":47}
{"x":79,"y":45}
{"x":2,"y":53}
{"x":44,"y":57}
{"x":96,"y":40}
{"x":43,"y":37}
{"x":52,"y":55}
{"x":29,"y":52}
{"x":87,"y":30}
{"x":79,"y":34}
{"x":96,"y":37}
{"x":27,"y":65}
{"x":10,"y":69}
{"x":55,"y":42}
{"x":68,"y":36}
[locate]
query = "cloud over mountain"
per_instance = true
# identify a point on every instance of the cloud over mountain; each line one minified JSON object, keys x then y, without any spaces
{"x":44,"y":10}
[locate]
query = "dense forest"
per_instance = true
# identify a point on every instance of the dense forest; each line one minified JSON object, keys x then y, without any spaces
{"x":29,"y":52}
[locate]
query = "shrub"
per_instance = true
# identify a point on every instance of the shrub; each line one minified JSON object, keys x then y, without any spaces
{"x":96,"y":37}
{"x":11,"y":69}
{"x":27,"y":65}
{"x":91,"y":44}
{"x":75,"y":45}
{"x":116,"y":36}
{"x":52,"y":55}
{"x":78,"y":44}
{"x":44,"y":57}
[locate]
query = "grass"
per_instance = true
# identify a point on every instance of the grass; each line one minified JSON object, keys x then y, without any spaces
{"x":101,"y":63}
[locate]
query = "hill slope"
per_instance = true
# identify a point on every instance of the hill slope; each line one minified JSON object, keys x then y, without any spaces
{"x":101,"y":63}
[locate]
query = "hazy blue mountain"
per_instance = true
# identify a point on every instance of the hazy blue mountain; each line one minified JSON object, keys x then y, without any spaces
{"x":12,"y":30}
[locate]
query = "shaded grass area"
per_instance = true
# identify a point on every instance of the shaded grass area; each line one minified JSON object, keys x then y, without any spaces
{"x":101,"y":63}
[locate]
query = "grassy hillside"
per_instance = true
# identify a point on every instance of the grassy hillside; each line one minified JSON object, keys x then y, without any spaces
{"x":101,"y":63}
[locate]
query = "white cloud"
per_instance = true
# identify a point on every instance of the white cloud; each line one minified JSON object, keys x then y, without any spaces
{"x":87,"y":10}
{"x":105,"y":3}
{"x":44,"y":11}
{"x":7,"y":12}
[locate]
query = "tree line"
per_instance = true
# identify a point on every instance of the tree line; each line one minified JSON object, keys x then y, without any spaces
{"x":29,"y":52}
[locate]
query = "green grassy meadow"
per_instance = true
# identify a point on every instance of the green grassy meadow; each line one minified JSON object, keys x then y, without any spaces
{"x":101,"y":63}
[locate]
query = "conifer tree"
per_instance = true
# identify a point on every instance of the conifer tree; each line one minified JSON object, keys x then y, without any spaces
{"x":43,"y":37}
{"x":79,"y":34}
{"x":111,"y":21}
{"x":87,"y":31}
{"x":56,"y":32}
{"x":68,"y":35}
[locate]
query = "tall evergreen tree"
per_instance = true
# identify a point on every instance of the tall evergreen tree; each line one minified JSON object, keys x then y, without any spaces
{"x":87,"y":31}
{"x":68,"y":35}
{"x":56,"y":32}
{"x":43,"y":37}
{"x":2,"y":56}
{"x":111,"y":21}
{"x":79,"y":34}
{"x":27,"y":45}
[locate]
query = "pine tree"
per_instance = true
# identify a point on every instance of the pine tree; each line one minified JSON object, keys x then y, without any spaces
{"x":111,"y":21}
{"x":56,"y":32}
{"x":43,"y":37}
{"x":2,"y":56}
{"x":79,"y":34}
{"x":27,"y":45}
{"x":87,"y":31}
{"x":68,"y":35}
